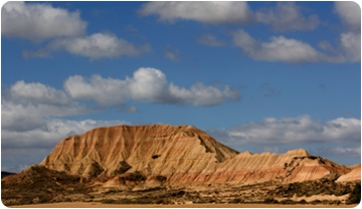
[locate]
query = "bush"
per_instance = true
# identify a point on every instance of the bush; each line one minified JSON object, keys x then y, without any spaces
{"x":235,"y":201}
{"x":270,"y":201}
{"x":302,"y":201}
{"x":314,"y":202}
{"x":287,"y":201}
{"x":161,"y":178}
{"x":107,"y":201}
{"x":355,"y":195}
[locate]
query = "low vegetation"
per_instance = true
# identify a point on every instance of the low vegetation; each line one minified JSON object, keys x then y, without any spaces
{"x":355,"y":196}
{"x":41,"y":185}
{"x":38,"y":184}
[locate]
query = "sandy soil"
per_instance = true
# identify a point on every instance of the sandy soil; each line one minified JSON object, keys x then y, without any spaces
{"x":100,"y":205}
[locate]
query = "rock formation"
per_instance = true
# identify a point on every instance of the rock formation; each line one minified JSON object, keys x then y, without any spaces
{"x":163,"y":164}
{"x":178,"y":155}
{"x":354,"y":174}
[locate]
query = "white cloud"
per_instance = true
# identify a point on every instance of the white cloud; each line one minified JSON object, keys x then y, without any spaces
{"x":25,"y":105}
{"x":351,"y":43}
{"x":349,"y":151}
{"x":201,"y":95}
{"x":210,"y":40}
{"x":205,"y":12}
{"x":350,"y":40}
{"x":37,"y":22}
{"x":52,"y":133}
{"x":28,"y":116}
{"x":287,"y":16}
{"x":277,"y":49}
{"x":66,"y":31}
{"x":349,"y":12}
{"x":299,"y":130}
{"x":96,"y":46}
{"x":147,"y":84}
{"x":103,"y":91}
{"x":37,"y":93}
{"x":19,"y":118}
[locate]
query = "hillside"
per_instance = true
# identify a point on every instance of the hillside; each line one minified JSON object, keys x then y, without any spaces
{"x":181,"y":154}
{"x":153,"y":157}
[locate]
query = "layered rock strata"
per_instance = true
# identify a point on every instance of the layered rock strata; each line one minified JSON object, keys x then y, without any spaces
{"x":177,"y":156}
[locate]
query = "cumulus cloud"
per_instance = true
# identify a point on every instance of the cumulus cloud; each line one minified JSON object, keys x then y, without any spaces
{"x":350,"y":40}
{"x":349,"y":12}
{"x":65,"y":31}
{"x":342,"y":151}
{"x":19,"y":118}
{"x":286,"y":16}
{"x":25,"y":105}
{"x":277,"y":49}
{"x":38,"y":22}
{"x":280,"y":48}
{"x":210,"y":40}
{"x":37,"y":93}
{"x":351,"y":43}
{"x":96,"y":46}
{"x":52,"y":133}
{"x":299,"y":130}
{"x":205,"y":12}
{"x":147,"y":84}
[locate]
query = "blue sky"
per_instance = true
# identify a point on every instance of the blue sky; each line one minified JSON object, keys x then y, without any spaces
{"x":257,"y":76}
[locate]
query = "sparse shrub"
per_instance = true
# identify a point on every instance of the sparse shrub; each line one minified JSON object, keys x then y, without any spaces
{"x":236,"y":200}
{"x":135,"y":176}
{"x":302,"y":201}
{"x":355,"y":195}
{"x":178,"y":194}
{"x":314,"y":202}
{"x":270,"y":201}
{"x":161,"y":178}
{"x":108,"y":201}
{"x":287,"y":201}
{"x":335,"y":202}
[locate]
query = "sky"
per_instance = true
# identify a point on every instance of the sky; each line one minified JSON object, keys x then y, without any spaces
{"x":256,"y":76}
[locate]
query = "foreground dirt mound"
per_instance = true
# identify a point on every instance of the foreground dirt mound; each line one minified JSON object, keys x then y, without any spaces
{"x":38,"y":184}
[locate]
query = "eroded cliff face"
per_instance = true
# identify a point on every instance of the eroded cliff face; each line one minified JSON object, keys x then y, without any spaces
{"x":177,"y":155}
{"x":353,"y":175}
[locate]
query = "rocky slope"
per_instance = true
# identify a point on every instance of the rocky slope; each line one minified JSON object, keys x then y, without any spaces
{"x":353,"y":175}
{"x":177,"y":155}
{"x":172,"y":165}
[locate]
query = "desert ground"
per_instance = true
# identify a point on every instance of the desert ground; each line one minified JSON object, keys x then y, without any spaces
{"x":101,"y":205}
